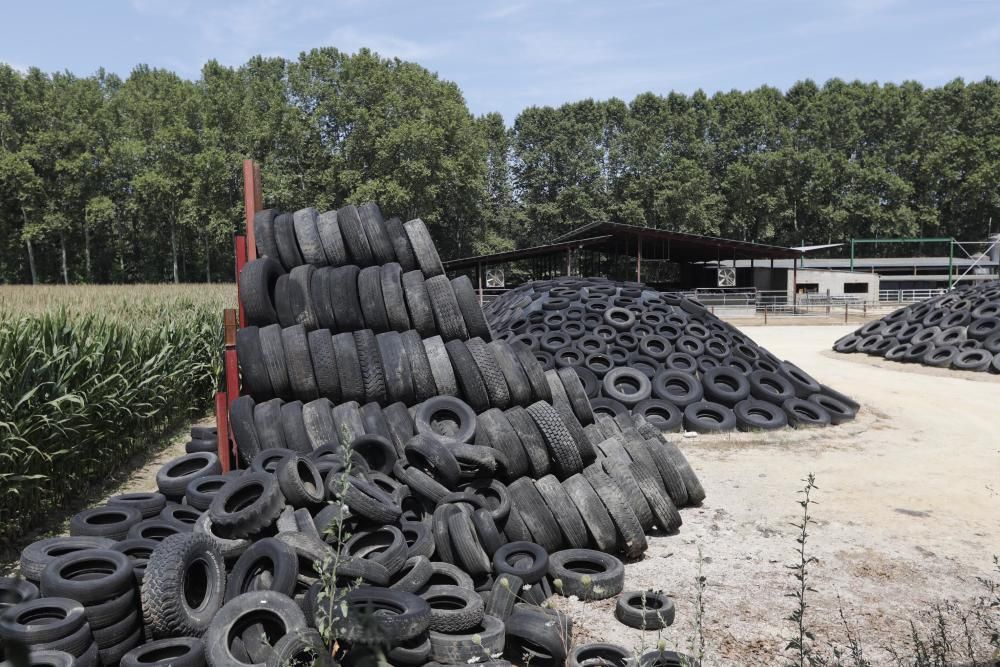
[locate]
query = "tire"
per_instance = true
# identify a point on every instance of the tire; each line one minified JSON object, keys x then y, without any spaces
{"x":274,"y":610}
{"x":725,"y":385}
{"x":267,"y":423}
{"x":472,"y":311}
{"x":662,"y":507}
{"x":645,"y":610}
{"x":708,"y":417}
{"x":420,"y":366}
{"x":111,"y":521}
{"x":940,"y":356}
{"x":493,"y":378}
{"x":182,"y":567}
{"x":288,"y":247}
{"x":274,"y":360}
{"x":470,"y":382}
{"x":627,"y":386}
{"x":476,"y":644}
{"x":466,"y":545}
{"x":632,"y":541}
{"x":431,"y":456}
{"x":595,"y":516}
{"x":577,"y":395}
{"x":407,"y":616}
{"x":446,"y":416}
{"x":525,"y":560}
{"x":247,"y":505}
{"x":533,"y":370}
{"x":353,"y":232}
{"x":975,"y":359}
{"x":517,"y":381}
{"x":840,"y":412}
{"x":307,"y":236}
{"x":377,"y":451}
{"x":257,"y":282}
{"x":565,"y":513}
{"x":263,"y":230}
{"x":175,"y":651}
{"x":414,"y":574}
{"x":60,"y":618}
{"x":282,"y":302}
{"x":401,"y":245}
{"x":610,"y":655}
{"x":805,"y":385}
{"x":398,"y":374}
{"x":300,"y":482}
{"x":293,"y":428}
{"x":390,"y":276}
{"x":534,"y":633}
{"x":566,"y":458}
{"x":802,"y":413}
{"x":352,"y":386}
{"x":441,"y":368}
{"x":343,"y":287}
{"x":324,"y":363}
{"x":531,"y":439}
{"x":172,"y":479}
{"x":318,"y":421}
{"x":447,"y":314}
{"x":385,"y":546}
{"x":148,"y":504}
{"x":759,"y":415}
{"x":374,"y":226}
{"x":372,"y":300}
{"x":300,"y":647}
{"x":372,"y":369}
{"x":253,"y":364}
{"x":503,"y":595}
{"x":299,"y":363}
{"x":331,"y":239}
{"x":423,"y":248}
{"x":90,"y":576}
{"x":138,"y":551}
{"x":367,"y":500}
{"x":588,"y":574}
{"x":664,"y":415}
{"x":618,"y":470}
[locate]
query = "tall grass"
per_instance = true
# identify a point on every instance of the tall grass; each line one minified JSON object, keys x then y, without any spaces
{"x":91,"y":375}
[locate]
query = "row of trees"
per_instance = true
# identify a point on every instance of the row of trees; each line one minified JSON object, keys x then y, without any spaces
{"x":104,"y":179}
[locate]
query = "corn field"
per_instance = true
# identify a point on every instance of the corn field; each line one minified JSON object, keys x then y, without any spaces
{"x":91,"y":375}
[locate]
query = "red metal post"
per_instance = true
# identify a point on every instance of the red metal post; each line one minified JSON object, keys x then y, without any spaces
{"x":240,"y":245}
{"x":222,"y":426}
{"x":253,"y":201}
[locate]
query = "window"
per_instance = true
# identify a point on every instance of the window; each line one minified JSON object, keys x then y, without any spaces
{"x":808,"y":288}
{"x":855,"y":288}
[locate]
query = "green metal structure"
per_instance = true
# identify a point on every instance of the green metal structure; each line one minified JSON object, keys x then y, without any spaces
{"x":949,"y":240}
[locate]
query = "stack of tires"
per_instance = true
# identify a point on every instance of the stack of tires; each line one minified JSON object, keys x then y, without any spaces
{"x":411,"y":494}
{"x":662,"y":356}
{"x":959,"y":329}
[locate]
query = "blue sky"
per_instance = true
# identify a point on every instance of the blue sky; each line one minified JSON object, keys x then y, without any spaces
{"x":510,"y":54}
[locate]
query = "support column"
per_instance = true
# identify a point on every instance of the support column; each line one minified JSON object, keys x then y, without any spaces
{"x":479,"y":275}
{"x":638,"y":259}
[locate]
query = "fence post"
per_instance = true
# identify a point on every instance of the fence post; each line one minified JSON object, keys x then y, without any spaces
{"x":845,"y":312}
{"x":765,"y":314}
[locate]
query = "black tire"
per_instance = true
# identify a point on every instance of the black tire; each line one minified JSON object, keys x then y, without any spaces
{"x":374,"y":225}
{"x":758,"y":415}
{"x":430,"y":455}
{"x":38,"y":555}
{"x":839,"y":411}
{"x":253,"y":364}
{"x":708,"y":417}
{"x":138,"y":550}
{"x":345,"y":350}
{"x":381,"y":616}
{"x":377,"y":451}
{"x":565,"y":453}
{"x":241,"y":419}
{"x":517,"y":381}
{"x":627,"y":386}
{"x":267,"y":423}
{"x":418,"y":304}
{"x":441,"y":368}
{"x":300,"y":482}
{"x":183,"y":587}
{"x":618,"y":470}
{"x":446,"y":416}
{"x":299,"y":363}
{"x":318,"y":421}
{"x":385,"y":546}
{"x":111,"y":521}
{"x":148,"y":504}
{"x":595,"y":516}
{"x":88,"y":576}
{"x":503,"y":595}
{"x":331,"y":239}
{"x":324,"y":363}
{"x":608,"y":655}
{"x":564,"y":512}
{"x":174,"y":651}
{"x":525,"y":560}
{"x":247,"y":505}
{"x":664,"y":415}
{"x":293,"y":428}
{"x":414,"y":574}
{"x":423,"y":248}
{"x":369,"y":501}
{"x":588,"y":574}
{"x":489,"y":369}
{"x":469,"y":379}
{"x":533,"y":370}
{"x":372,"y":368}
{"x":420,"y":366}
{"x":465,"y":543}
{"x":472,"y":311}
{"x":803,"y":413}
{"x":401,"y":245}
{"x":42,"y":621}
{"x":257,"y":282}
{"x":353,"y":232}
{"x":282,"y":302}
{"x":277,"y":612}
{"x":725,"y":385}
{"x":645,"y":610}
{"x":343,"y":288}
{"x":396,"y":366}
{"x":263,"y":230}
{"x":476,"y":644}
{"x":172,"y":479}
{"x":805,"y":385}
{"x":631,"y":540}
{"x":534,"y":633}
{"x":487,"y":531}
{"x":288,"y":247}
{"x":390,"y":276}
{"x":444,"y":305}
{"x":532,"y":441}
{"x":274,"y":360}
{"x":940,"y":356}
{"x":307,"y":236}
{"x":372,"y":300}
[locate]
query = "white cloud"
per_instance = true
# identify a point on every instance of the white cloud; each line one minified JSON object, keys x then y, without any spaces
{"x":505,"y":11}
{"x":23,"y":69}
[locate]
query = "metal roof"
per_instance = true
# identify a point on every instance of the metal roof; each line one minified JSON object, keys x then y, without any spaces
{"x":513,"y":255}
{"x":675,"y":246}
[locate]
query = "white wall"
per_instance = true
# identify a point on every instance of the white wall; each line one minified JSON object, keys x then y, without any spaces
{"x":832,"y":283}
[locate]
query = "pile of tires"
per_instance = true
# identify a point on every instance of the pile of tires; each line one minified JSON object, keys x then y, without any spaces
{"x":414,"y":496}
{"x":959,"y":329}
{"x":662,"y":356}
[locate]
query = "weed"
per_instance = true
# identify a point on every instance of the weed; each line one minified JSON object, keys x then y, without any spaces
{"x":801,"y":644}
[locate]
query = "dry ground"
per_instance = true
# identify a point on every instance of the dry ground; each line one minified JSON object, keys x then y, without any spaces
{"x":907,"y":512}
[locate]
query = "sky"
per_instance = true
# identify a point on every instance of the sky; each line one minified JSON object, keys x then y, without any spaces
{"x":507,"y":55}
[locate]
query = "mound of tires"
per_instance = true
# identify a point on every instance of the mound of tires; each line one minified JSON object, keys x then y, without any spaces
{"x":416,"y":497}
{"x":661,"y":356}
{"x":959,"y":329}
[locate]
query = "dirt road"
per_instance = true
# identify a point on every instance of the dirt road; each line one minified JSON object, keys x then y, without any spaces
{"x":907,"y":515}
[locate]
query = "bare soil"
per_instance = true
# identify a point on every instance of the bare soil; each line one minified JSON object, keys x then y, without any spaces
{"x":906,"y":513}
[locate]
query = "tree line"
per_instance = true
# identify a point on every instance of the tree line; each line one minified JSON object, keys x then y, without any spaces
{"x":104,"y":179}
